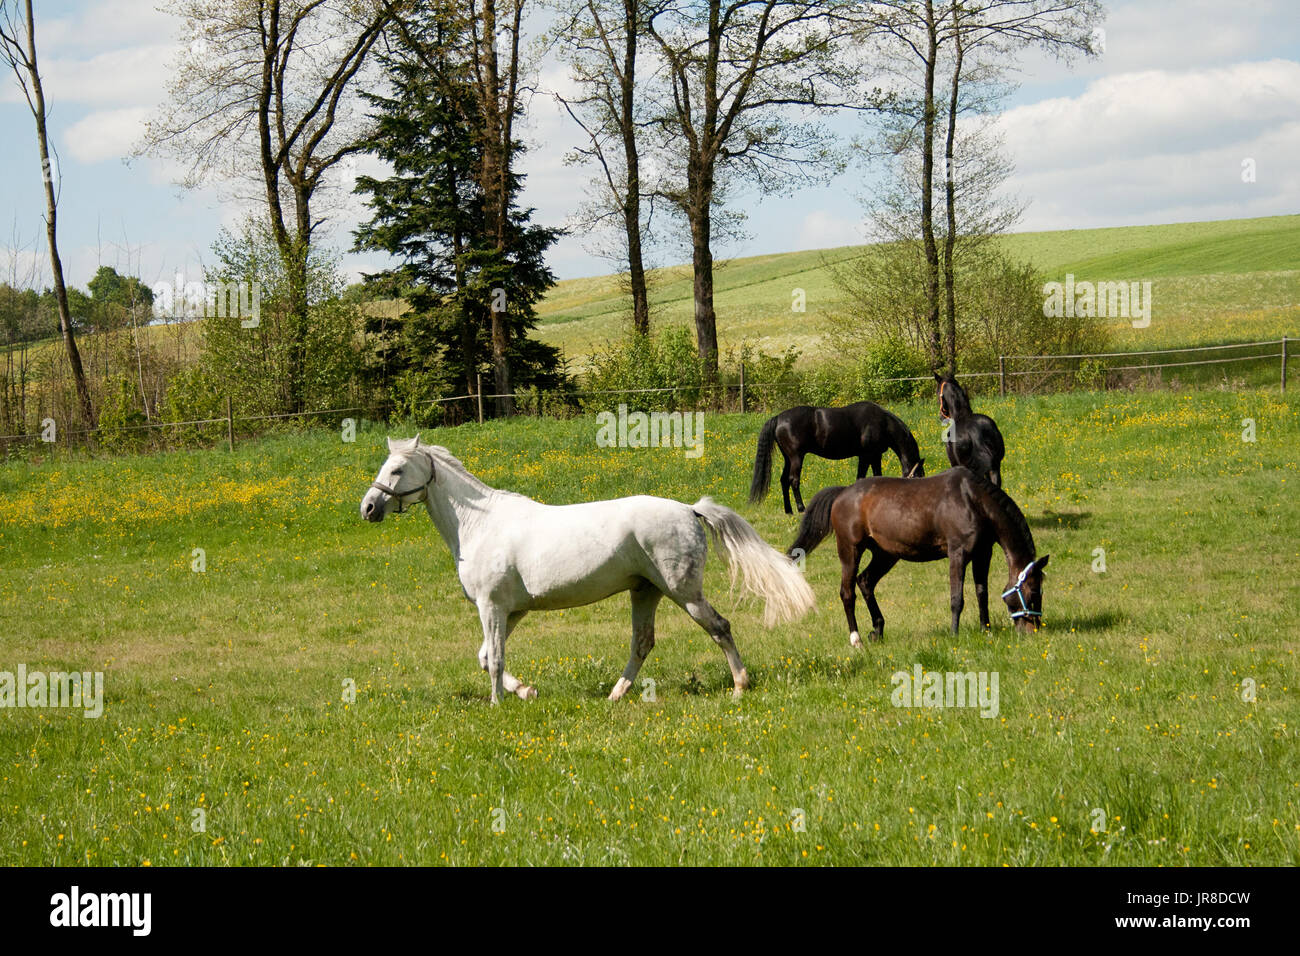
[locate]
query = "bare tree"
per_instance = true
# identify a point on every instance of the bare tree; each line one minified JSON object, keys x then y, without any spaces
{"x":600,"y":39}
{"x":18,"y":48}
{"x":264,"y":95}
{"x":742,"y":80}
{"x":975,"y":40}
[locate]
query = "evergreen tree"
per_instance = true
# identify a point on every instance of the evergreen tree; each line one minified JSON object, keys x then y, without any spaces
{"x":430,"y":215}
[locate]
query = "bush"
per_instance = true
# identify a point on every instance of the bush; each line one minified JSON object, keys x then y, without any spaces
{"x":193,"y":395}
{"x":892,"y":359}
{"x":999,"y":312}
{"x":411,"y":394}
{"x":120,"y":419}
{"x":663,"y":361}
{"x":770,"y":380}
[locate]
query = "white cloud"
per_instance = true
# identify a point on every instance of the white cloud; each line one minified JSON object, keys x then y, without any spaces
{"x":105,"y":134}
{"x":822,"y":229}
{"x":1175,"y":35}
{"x":1160,"y":146}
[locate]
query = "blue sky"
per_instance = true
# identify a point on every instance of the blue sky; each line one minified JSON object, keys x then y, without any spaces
{"x":1153,"y":131}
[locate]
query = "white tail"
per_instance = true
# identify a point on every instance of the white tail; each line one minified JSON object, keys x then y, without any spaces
{"x":765,"y":571}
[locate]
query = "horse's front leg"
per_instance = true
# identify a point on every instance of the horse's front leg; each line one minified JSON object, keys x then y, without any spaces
{"x":497,"y":625}
{"x":957,"y":561}
{"x":980,"y":571}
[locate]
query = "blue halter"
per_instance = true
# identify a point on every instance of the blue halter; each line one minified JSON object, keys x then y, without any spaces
{"x":1015,"y":589}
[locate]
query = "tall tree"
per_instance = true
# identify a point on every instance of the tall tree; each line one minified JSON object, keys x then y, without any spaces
{"x":963,"y":40}
{"x":18,"y":48}
{"x":600,"y":39}
{"x":265,"y":95}
{"x":465,"y":281}
{"x":742,"y":77}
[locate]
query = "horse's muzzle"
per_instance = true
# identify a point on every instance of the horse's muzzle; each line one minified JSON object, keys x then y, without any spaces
{"x":372,"y":507}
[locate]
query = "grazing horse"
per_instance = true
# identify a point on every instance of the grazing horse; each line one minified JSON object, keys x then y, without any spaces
{"x":955,"y":514}
{"x":862,"y":429}
{"x":514,"y":555}
{"x":971,"y":440}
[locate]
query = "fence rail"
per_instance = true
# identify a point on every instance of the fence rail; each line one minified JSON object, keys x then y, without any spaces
{"x":229,"y":419}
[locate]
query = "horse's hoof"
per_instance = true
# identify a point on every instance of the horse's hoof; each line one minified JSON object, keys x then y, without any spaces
{"x":855,"y":640}
{"x":527,"y":693}
{"x":877,"y":637}
{"x":738,"y":693}
{"x":620,"y":688}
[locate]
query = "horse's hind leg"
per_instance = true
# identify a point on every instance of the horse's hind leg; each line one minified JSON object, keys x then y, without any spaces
{"x":850,"y":555}
{"x":785,"y":482}
{"x":879,"y":565}
{"x":796,"y":470}
{"x":645,"y":601}
{"x":718,"y":628}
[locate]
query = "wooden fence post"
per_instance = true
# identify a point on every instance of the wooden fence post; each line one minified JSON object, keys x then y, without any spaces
{"x":1284,"y":365}
{"x":480,"y":397}
{"x":742,"y":384}
{"x":1002,"y":375}
{"x":230,"y":425}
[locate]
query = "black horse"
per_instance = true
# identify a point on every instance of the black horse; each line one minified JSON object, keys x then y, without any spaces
{"x":971,"y":440}
{"x":862,"y":430}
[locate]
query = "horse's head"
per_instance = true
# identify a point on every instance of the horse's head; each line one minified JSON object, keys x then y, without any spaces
{"x":952,"y":397}
{"x":403,"y":480}
{"x":1024,"y":595}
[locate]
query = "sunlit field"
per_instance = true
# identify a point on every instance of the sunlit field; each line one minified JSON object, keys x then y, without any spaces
{"x":1153,"y":721}
{"x":1235,"y":280}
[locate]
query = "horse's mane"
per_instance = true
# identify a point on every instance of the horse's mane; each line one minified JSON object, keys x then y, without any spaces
{"x":1009,"y":509}
{"x":449,"y":461}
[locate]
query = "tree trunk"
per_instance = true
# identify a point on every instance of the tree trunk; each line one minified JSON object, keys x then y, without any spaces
{"x":933,"y":346}
{"x":51,"y":229}
{"x":632,"y":203}
{"x":700,"y":189}
{"x":950,"y":196}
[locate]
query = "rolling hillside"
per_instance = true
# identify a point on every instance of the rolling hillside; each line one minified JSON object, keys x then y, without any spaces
{"x":1230,"y":280}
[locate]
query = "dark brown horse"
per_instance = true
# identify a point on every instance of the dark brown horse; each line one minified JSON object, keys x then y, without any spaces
{"x":971,"y":440}
{"x":862,"y":430}
{"x":955,"y":514}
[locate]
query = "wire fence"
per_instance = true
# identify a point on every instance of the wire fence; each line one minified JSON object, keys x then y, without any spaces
{"x":1003,"y":374}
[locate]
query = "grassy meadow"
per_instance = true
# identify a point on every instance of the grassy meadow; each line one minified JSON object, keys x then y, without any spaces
{"x":1160,"y":698}
{"x":1234,"y":280}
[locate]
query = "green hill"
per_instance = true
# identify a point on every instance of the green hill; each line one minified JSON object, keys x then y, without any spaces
{"x":1230,"y":280}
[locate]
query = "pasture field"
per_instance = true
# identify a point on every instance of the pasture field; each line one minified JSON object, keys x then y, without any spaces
{"x":1161,"y":697}
{"x":1234,"y":280}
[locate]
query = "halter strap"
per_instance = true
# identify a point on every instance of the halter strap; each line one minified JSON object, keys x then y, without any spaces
{"x":401,"y":495}
{"x":1015,"y":589}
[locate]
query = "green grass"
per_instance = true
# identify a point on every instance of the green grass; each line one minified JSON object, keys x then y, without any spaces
{"x":1231,"y":280}
{"x":224,"y":688}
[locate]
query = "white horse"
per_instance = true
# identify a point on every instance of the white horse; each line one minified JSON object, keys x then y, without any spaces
{"x":514,"y":555}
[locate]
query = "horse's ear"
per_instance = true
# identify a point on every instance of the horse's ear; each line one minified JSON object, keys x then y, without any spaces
{"x":937,"y":376}
{"x":392,"y":445}
{"x":1042,"y":562}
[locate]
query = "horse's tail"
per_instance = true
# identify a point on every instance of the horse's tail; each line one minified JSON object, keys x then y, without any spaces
{"x":763,"y":463}
{"x":816,"y":523}
{"x":766,"y":572}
